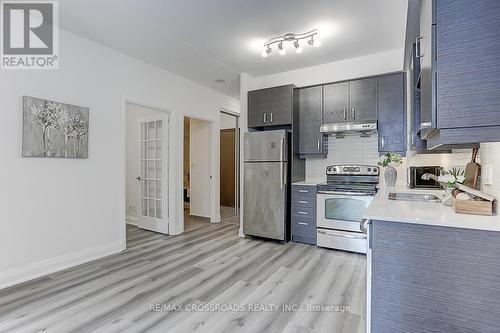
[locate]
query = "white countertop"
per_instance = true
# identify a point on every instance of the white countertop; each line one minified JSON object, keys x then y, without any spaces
{"x":429,"y":213}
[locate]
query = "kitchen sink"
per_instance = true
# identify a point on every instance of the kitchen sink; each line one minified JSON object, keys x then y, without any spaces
{"x":414,"y":197}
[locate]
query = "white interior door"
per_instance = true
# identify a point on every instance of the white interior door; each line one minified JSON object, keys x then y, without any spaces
{"x":200,"y":167}
{"x":153,"y":180}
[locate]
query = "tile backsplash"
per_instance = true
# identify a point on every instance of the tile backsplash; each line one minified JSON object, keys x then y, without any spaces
{"x":350,"y":150}
{"x":356,"y":150}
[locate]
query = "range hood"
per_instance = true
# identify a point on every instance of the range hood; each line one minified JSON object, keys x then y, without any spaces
{"x":340,"y":129}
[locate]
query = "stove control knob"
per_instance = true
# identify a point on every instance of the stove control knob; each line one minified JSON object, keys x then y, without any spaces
{"x":369,"y":169}
{"x":375,"y":169}
{"x":334,"y":169}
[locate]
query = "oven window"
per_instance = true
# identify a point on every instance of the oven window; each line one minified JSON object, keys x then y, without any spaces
{"x":346,"y":209}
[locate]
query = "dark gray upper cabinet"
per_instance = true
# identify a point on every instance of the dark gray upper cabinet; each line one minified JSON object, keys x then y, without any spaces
{"x":468,"y":51}
{"x":271,"y":106}
{"x":426,"y":58}
{"x":310,"y":119}
{"x":363,"y":100}
{"x":336,"y":102}
{"x":392,"y":113}
{"x":467,"y":76}
{"x":353,"y":101}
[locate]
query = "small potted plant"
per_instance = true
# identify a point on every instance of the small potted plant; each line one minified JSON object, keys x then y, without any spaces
{"x":451,"y":178}
{"x":390,"y":162}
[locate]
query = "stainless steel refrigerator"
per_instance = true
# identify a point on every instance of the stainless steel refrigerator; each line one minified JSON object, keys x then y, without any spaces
{"x":265,"y":184}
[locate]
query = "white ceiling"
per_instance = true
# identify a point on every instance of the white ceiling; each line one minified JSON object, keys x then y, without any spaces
{"x":204,"y":40}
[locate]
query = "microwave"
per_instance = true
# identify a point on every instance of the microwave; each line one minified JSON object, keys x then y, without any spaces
{"x":415,"y":177}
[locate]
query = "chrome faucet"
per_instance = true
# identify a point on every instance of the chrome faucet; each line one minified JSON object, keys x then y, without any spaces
{"x":428,"y":176}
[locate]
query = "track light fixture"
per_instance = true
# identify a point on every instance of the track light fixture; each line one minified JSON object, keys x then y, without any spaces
{"x":298,"y":48}
{"x":314,"y":42}
{"x":281,"y":49}
{"x":291,"y":38}
{"x":266,"y":52}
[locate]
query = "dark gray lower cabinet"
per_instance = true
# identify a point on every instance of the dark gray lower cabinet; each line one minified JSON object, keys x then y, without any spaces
{"x":434,"y":279}
{"x":304,"y":214}
{"x":392,"y":113}
{"x":311,"y":140}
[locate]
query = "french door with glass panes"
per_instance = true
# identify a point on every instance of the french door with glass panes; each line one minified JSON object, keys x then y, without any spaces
{"x":153,"y":180}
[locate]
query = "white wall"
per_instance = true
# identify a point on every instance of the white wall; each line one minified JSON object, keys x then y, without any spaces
{"x":60,"y":212}
{"x":199,"y":170}
{"x":374,"y":64}
{"x":227,"y":121}
{"x":134,"y":113}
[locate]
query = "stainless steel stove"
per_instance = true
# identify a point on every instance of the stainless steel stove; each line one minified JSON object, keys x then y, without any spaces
{"x":342,"y":200}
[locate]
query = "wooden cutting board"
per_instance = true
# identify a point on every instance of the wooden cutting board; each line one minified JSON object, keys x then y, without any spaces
{"x":472,"y":171}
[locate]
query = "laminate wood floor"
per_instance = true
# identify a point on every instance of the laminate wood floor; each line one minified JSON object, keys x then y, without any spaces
{"x":207,"y":266}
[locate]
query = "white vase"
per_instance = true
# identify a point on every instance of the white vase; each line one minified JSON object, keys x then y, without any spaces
{"x":390,"y":175}
{"x":447,"y":199}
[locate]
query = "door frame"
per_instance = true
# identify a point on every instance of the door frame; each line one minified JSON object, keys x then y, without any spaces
{"x":237,"y":158}
{"x":173,"y":226}
{"x":213,"y":165}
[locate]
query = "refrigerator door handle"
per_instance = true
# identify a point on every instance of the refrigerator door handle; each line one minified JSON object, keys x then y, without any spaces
{"x":281,"y":175}
{"x":282,"y":166}
{"x":282,"y":148}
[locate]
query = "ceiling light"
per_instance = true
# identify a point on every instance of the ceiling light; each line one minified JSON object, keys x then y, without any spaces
{"x":281,"y":49}
{"x":314,"y":42}
{"x":293,"y":39}
{"x":298,"y":48}
{"x":266,"y":52}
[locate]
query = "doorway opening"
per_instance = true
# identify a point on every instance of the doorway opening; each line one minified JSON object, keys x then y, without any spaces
{"x":147,"y":137}
{"x":197,"y":175}
{"x":229,"y":167}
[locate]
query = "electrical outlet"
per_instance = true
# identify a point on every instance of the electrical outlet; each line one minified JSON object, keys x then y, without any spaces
{"x":487,"y":174}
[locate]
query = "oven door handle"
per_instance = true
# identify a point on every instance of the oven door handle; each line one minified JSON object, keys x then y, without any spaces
{"x":363,"y":225}
{"x":347,"y":193}
{"x":341,"y":235}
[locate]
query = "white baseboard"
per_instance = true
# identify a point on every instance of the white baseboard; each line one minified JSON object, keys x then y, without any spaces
{"x":132,"y":220}
{"x":49,"y":266}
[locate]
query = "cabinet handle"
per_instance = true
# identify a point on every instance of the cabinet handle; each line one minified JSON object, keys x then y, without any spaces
{"x":303,"y":202}
{"x":364,"y":225}
{"x":418,"y":51}
{"x":353,"y":113}
{"x":303,"y":191}
{"x":303,"y":213}
{"x":345,"y":114}
{"x":271,"y":118}
{"x":303,"y":223}
{"x":265,"y":118}
{"x":318,"y":145}
{"x":382,"y":141}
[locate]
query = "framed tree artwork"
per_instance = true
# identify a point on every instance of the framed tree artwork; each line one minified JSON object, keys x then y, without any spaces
{"x":53,"y":129}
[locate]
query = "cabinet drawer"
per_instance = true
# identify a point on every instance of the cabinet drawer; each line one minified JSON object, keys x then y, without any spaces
{"x":301,"y":191}
{"x":304,"y":239}
{"x":303,"y":227}
{"x":304,"y":212}
{"x":304,"y":201}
